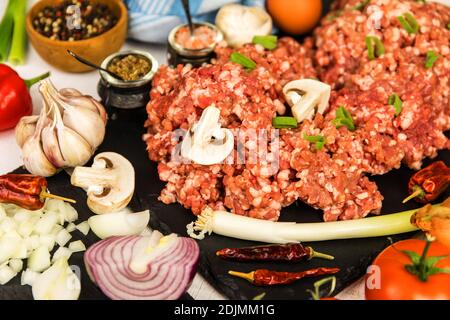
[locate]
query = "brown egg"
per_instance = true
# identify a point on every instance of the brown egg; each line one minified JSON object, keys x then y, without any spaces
{"x":295,"y":16}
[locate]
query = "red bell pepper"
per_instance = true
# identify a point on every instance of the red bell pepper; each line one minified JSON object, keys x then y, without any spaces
{"x":15,"y":100}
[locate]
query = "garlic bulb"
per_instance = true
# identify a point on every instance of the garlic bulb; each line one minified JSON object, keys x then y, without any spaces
{"x":67,"y":132}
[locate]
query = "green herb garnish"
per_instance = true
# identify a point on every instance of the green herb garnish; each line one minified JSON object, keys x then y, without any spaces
{"x":344,"y":118}
{"x":375,"y":47}
{"x":448,"y":26}
{"x":268,"y":42}
{"x":431,"y":59}
{"x":284,"y":122}
{"x":319,"y":141}
{"x":394,"y":100}
{"x":409,"y":23}
{"x":335,"y":14}
{"x":244,"y":61}
{"x":360,"y":6}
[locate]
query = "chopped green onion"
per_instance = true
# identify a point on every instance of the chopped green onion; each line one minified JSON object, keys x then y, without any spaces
{"x":19,"y":38}
{"x":344,"y":118}
{"x":394,"y":100}
{"x":421,"y":1}
{"x":268,"y":42}
{"x":409,"y":23}
{"x":319,"y":141}
{"x":431,"y":59}
{"x":6,"y":30}
{"x":284,"y":122}
{"x":374,"y":51}
{"x":448,"y":26}
{"x":335,"y":14}
{"x":244,"y":61}
{"x":360,"y":6}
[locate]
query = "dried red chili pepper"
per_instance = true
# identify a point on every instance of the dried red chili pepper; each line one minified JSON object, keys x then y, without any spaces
{"x":430,"y":182}
{"x":26,"y":191}
{"x":264,"y":277}
{"x":276,"y":252}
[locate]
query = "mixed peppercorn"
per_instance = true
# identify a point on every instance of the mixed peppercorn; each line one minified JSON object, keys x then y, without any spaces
{"x":73,"y":20}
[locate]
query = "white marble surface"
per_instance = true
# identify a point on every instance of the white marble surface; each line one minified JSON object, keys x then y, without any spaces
{"x":86,"y":82}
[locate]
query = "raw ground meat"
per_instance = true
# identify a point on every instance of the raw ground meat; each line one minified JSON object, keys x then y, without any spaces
{"x":333,"y":179}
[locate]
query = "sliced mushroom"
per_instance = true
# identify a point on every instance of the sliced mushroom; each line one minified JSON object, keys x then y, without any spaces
{"x":109,"y":182}
{"x":206,"y":142}
{"x":306,"y":97}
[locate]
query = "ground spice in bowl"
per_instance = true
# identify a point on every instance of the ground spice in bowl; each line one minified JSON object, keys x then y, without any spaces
{"x":73,"y":20}
{"x":130,"y":67}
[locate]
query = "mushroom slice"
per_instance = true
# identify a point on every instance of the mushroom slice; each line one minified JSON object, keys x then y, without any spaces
{"x":306,"y":97}
{"x":206,"y":142}
{"x":109,"y":182}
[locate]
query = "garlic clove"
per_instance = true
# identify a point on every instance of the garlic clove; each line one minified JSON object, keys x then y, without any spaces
{"x":88,"y":124}
{"x":25,"y":129}
{"x":70,"y":92}
{"x":74,"y":148}
{"x":50,"y":145}
{"x":35,"y":160}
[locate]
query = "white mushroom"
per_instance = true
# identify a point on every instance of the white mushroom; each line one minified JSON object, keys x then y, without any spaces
{"x":109,"y":182}
{"x":206,"y":142}
{"x":240,"y":24}
{"x":306,"y":97}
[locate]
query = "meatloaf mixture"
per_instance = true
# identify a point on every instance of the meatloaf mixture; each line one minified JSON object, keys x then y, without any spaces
{"x":335,"y":178}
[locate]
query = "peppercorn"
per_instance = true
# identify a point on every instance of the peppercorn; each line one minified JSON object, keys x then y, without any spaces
{"x":59,"y":23}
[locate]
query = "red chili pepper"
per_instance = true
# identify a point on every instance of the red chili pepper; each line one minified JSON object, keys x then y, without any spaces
{"x":15,"y":100}
{"x":276,"y":252}
{"x":430,"y":182}
{"x":26,"y":191}
{"x":264,"y":277}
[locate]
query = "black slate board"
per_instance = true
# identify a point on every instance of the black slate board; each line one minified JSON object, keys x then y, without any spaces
{"x":124,"y":133}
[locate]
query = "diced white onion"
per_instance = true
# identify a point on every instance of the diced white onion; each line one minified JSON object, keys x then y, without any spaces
{"x":61,"y":252}
{"x":28,"y":276}
{"x":6,"y":274}
{"x":71,"y":227}
{"x":83,"y":227}
{"x":77,"y":246}
{"x":47,"y":240}
{"x":16,"y":265}
{"x":63,"y":237}
{"x":39,"y":259}
{"x":45,"y":223}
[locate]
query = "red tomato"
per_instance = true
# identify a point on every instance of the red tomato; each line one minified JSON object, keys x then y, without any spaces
{"x":396,"y":283}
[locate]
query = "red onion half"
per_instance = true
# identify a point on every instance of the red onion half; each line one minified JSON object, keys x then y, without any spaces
{"x":168,"y":274}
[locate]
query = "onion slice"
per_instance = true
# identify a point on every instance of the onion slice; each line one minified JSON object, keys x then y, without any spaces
{"x":170,"y":265}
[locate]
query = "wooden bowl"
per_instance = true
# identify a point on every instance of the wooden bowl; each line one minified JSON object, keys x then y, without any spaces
{"x":94,"y":49}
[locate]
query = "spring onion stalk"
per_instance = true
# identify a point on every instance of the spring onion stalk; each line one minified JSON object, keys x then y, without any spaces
{"x":394,"y":100}
{"x":246,"y":228}
{"x":6,"y":30}
{"x":19,"y":38}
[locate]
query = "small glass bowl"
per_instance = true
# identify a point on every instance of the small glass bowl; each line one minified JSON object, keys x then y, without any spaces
{"x":177,"y":54}
{"x":126,"y":94}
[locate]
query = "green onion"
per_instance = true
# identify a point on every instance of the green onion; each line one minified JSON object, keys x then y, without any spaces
{"x":335,"y":14}
{"x":244,"y":61}
{"x":448,"y":26}
{"x":343,"y":118}
{"x":268,"y":42}
{"x":6,"y":30}
{"x":252,"y":229}
{"x":394,"y":100}
{"x":319,"y":141}
{"x":431,"y":59}
{"x":284,"y":122}
{"x":360,"y":6}
{"x":409,"y":23}
{"x":374,"y":51}
{"x":19,"y":38}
